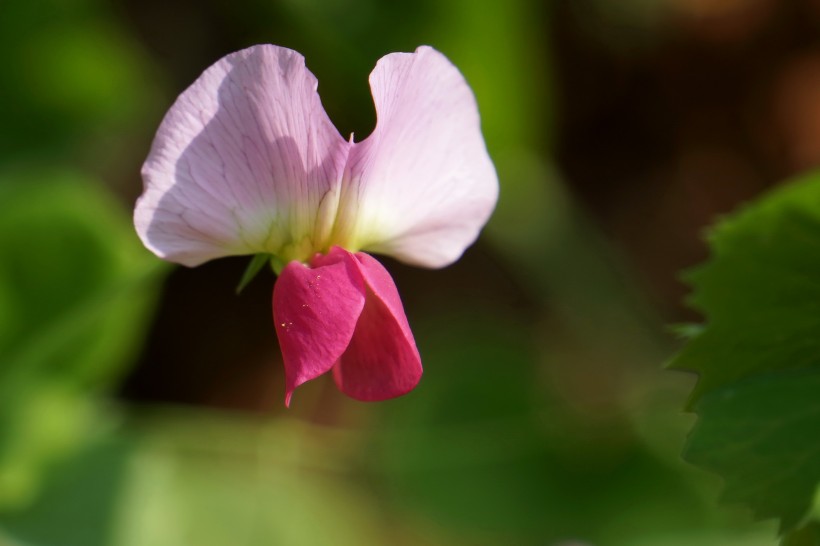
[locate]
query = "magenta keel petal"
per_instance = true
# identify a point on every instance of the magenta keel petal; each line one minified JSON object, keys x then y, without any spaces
{"x":344,"y":313}
{"x":315,"y":312}
{"x":382,"y":360}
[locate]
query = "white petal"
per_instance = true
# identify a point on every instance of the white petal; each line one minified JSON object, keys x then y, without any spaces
{"x":245,"y":161}
{"x":422,"y":185}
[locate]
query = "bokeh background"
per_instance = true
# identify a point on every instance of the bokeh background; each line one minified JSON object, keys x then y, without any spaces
{"x":142,"y":404}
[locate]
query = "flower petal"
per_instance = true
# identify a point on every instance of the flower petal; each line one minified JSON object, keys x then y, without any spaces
{"x":315,"y":312}
{"x":382,"y":360}
{"x":422,"y":185}
{"x":245,"y":161}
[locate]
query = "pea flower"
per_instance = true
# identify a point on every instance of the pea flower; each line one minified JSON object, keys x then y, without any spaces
{"x":246,"y":161}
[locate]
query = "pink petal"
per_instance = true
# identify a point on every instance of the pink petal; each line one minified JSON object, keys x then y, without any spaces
{"x":245,"y":161}
{"x":422,"y":185}
{"x":315,"y":312}
{"x":381,"y":360}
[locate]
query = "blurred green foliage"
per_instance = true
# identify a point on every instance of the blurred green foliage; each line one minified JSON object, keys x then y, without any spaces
{"x":76,"y":88}
{"x":163,"y":480}
{"x":76,"y":288}
{"x":77,"y":291}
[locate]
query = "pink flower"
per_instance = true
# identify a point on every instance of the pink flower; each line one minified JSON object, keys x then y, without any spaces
{"x":247,"y":161}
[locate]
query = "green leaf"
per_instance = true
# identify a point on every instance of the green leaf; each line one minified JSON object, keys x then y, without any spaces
{"x":758,"y":355}
{"x":760,"y":292}
{"x":763,"y":436}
